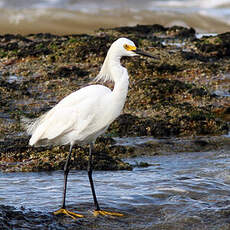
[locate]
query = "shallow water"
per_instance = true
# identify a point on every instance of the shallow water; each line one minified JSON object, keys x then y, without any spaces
{"x":179,"y":188}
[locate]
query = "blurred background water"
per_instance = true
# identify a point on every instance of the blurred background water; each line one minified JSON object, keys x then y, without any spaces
{"x":85,"y":16}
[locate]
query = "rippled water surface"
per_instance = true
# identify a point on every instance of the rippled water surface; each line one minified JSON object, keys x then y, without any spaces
{"x":180,"y":187}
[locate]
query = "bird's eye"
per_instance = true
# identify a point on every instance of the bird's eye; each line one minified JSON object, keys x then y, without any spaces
{"x":126,"y":46}
{"x":129,"y":47}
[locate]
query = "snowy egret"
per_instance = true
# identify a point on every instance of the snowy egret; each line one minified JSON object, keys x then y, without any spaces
{"x":85,"y":114}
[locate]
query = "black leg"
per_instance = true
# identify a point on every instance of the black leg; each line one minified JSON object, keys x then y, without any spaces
{"x":63,"y":210}
{"x":66,"y":172}
{"x":91,"y":179}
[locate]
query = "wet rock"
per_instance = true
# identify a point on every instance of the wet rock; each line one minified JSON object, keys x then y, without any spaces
{"x":215,"y":46}
{"x":223,"y":113}
{"x":94,"y":45}
{"x":16,"y":155}
{"x":43,"y":36}
{"x":140,"y":29}
{"x":155,"y":29}
{"x":171,"y":95}
{"x":67,"y":71}
{"x":12,"y":218}
{"x":198,"y":92}
{"x":128,"y":125}
{"x":162,"y":113}
{"x":197,"y":123}
{"x":181,"y":32}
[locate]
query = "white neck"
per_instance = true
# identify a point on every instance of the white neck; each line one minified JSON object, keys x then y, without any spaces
{"x":120,"y":90}
{"x":113,"y":71}
{"x":121,"y":80}
{"x":117,"y":73}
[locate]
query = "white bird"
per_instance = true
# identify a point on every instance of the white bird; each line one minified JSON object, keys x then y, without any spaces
{"x":87,"y":113}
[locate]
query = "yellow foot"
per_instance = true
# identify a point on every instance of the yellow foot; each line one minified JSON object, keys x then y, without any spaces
{"x":105,"y":213}
{"x":68,"y":213}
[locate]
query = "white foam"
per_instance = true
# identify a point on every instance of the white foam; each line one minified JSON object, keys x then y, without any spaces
{"x":192,"y":4}
{"x":17,"y":16}
{"x":174,"y":189}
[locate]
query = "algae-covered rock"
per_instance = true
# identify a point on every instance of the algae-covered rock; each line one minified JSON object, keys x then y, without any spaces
{"x":171,"y":95}
{"x":215,"y":46}
{"x":16,"y":155}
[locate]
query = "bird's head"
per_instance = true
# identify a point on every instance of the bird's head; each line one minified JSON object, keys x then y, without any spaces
{"x":121,"y":47}
{"x":126,"y":47}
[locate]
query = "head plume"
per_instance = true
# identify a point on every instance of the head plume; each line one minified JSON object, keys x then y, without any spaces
{"x":121,"y":47}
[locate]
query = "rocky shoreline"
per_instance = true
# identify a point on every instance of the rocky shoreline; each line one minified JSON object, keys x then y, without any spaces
{"x":183,"y":93}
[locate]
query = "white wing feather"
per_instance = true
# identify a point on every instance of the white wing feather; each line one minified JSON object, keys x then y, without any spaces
{"x":74,"y":114}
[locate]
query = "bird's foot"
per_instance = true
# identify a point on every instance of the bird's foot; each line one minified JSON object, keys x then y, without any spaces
{"x":105,"y":213}
{"x":68,"y":213}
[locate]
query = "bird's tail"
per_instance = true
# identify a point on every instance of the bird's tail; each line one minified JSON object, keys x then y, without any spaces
{"x":30,"y":125}
{"x":26,"y":123}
